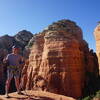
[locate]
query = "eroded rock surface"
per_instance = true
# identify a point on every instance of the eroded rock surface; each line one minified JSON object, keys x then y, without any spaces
{"x":60,"y":59}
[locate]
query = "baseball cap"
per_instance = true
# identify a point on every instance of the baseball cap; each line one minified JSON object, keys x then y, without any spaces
{"x":15,"y":46}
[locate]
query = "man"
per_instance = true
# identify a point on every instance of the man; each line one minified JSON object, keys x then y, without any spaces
{"x":13,"y":69}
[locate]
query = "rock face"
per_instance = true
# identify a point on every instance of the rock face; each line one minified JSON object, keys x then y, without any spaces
{"x":60,"y":59}
{"x":97,"y":38}
{"x":21,"y":38}
{"x":6,"y":42}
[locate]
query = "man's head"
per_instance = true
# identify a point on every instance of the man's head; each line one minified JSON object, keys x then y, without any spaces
{"x":15,"y":49}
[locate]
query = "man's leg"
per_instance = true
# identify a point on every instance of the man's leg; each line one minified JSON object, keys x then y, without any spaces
{"x":17,"y":84}
{"x":7,"y":85}
{"x":9,"y":78}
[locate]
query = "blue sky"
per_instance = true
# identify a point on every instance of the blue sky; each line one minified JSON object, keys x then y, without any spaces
{"x":35,"y":15}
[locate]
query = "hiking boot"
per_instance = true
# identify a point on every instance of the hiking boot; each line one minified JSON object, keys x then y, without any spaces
{"x":6,"y":95}
{"x":19,"y":92}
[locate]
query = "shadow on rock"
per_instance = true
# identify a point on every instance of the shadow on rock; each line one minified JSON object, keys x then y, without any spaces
{"x":39,"y":98}
{"x":32,"y":98}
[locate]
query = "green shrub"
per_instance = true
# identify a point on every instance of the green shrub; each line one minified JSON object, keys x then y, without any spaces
{"x":87,"y":98}
{"x":98,"y":94}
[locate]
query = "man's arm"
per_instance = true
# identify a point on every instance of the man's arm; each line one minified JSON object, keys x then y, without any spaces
{"x":22,"y":61}
{"x":5,"y":60}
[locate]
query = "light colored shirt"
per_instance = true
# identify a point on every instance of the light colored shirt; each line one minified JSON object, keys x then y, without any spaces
{"x":14,"y":59}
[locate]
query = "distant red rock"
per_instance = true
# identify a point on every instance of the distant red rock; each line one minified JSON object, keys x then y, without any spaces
{"x":97,"y":38}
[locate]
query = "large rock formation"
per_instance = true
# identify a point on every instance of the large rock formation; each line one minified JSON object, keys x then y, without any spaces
{"x":60,"y":60}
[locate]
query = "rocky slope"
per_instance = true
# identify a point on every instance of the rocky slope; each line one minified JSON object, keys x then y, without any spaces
{"x":60,"y":60}
{"x":36,"y":95}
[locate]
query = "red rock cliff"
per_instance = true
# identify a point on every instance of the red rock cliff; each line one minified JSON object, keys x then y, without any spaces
{"x":59,"y":60}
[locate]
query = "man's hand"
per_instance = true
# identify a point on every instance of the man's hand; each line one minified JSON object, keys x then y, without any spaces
{"x":5,"y":62}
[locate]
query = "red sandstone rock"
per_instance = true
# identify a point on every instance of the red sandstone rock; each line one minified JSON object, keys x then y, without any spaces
{"x":35,"y":59}
{"x":59,"y":59}
{"x":97,"y":38}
